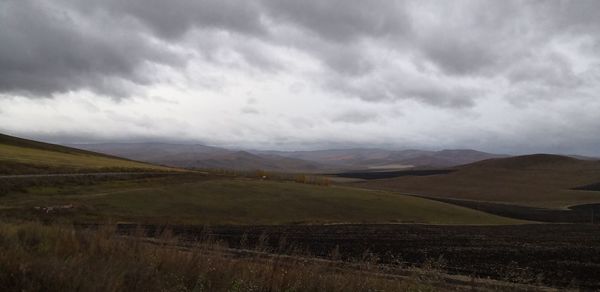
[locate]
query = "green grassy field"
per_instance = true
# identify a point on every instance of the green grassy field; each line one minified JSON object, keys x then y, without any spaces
{"x":196,"y":199}
{"x":237,"y":201}
{"x":21,"y":156}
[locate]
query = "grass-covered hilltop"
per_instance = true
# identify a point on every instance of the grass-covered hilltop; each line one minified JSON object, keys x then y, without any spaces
{"x":23,"y":156}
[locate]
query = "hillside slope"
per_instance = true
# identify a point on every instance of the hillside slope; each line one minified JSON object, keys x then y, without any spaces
{"x":180,"y":200}
{"x":23,"y":156}
{"x":536,"y":180}
{"x":201,"y":156}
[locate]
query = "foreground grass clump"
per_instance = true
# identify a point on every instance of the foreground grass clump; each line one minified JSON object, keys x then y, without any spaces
{"x":35,"y":257}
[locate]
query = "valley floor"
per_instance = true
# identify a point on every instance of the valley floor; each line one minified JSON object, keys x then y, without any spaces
{"x":368,"y":228}
{"x":202,"y":199}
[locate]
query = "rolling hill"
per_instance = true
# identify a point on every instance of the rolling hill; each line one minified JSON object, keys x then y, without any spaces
{"x":541,"y":180}
{"x":206,"y":200}
{"x":201,"y":156}
{"x":388,"y":159}
{"x":23,"y":156}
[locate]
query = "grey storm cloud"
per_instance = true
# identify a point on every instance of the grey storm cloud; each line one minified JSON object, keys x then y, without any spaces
{"x":64,"y":45}
{"x":389,"y":89}
{"x":343,"y":20}
{"x":49,"y":48}
{"x":467,"y":39}
{"x":355,"y":117}
{"x":110,"y":46}
{"x":171,"y":19}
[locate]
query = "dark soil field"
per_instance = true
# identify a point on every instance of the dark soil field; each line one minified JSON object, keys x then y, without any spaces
{"x":583,"y":213}
{"x":391,"y":174}
{"x":559,"y":255}
{"x":590,"y":187}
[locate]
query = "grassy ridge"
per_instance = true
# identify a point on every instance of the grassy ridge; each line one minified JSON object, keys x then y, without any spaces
{"x":533,"y":180}
{"x":237,"y":201}
{"x":21,"y":156}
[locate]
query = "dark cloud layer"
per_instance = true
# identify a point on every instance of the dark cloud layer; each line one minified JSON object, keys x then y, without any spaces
{"x":171,"y":19}
{"x":450,"y":56}
{"x":342,"y":20}
{"x":47,"y":49}
{"x":67,"y":45}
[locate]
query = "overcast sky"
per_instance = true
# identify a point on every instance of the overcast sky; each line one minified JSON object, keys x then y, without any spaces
{"x":500,"y":76}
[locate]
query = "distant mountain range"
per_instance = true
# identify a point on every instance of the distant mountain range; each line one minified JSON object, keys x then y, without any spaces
{"x":388,"y":159}
{"x":201,"y":156}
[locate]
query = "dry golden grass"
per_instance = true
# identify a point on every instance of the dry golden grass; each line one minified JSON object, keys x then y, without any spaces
{"x":68,"y":160}
{"x":22,"y":156}
{"x":34,"y":257}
